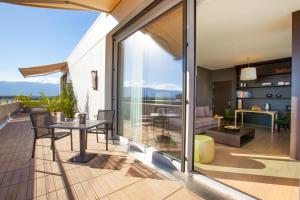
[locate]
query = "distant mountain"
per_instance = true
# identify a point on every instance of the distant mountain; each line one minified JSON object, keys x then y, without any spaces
{"x":10,"y":88}
{"x":152,"y":93}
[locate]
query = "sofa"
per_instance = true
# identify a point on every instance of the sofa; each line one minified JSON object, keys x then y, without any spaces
{"x":204,"y":119}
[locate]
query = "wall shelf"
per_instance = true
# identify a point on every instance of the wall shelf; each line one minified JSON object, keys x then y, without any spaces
{"x":264,"y":98}
{"x":271,"y":86}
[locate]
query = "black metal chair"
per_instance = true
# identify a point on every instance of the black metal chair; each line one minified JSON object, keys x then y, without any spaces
{"x":107,"y":115}
{"x":40,"y":121}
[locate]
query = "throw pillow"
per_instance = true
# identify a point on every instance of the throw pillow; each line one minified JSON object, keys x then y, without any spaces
{"x":200,"y":112}
{"x":206,"y":111}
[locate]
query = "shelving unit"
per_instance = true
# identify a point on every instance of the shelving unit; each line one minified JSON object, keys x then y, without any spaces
{"x":263,"y":98}
{"x":271,"y":86}
{"x":267,"y":72}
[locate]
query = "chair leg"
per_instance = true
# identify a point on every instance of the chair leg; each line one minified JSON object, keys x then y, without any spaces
{"x":106,"y":129}
{"x":112,"y":136}
{"x":53,"y":145}
{"x":97,"y":138}
{"x":33,"y":149}
{"x":278,"y":127}
{"x":86,"y":140}
{"x":71,"y":137}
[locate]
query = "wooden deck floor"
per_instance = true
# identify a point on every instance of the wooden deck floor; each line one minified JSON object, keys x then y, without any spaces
{"x":111,"y":175}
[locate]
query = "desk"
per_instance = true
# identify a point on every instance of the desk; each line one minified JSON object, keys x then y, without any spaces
{"x":82,"y":157}
{"x":273,"y":115}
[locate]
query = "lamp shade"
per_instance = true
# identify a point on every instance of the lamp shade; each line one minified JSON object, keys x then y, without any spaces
{"x":248,"y":74}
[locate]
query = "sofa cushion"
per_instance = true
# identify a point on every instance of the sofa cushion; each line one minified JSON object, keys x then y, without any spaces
{"x":205,"y":121}
{"x":200,"y":111}
{"x":206,"y":111}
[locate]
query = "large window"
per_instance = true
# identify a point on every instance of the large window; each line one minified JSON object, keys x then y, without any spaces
{"x":151,"y":84}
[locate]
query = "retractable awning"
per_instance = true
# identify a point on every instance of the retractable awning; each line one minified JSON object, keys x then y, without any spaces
{"x":98,"y":5}
{"x":44,"y":69}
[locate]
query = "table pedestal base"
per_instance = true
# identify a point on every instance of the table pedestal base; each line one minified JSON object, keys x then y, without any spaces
{"x":83,"y":158}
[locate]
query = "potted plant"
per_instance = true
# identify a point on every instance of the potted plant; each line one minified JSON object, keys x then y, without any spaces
{"x":25,"y":101}
{"x":51,"y":104}
{"x":68,"y":102}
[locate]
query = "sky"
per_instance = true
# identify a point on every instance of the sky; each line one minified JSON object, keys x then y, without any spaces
{"x":38,"y":36}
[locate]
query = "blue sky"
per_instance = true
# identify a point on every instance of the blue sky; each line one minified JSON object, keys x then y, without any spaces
{"x":38,"y":36}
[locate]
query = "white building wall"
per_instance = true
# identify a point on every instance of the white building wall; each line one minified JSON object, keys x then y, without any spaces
{"x":93,"y":53}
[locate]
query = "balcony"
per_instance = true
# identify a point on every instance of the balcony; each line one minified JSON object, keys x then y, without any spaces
{"x":112,"y":174}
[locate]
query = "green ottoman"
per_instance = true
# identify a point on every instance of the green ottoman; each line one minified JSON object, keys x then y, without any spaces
{"x":204,"y":149}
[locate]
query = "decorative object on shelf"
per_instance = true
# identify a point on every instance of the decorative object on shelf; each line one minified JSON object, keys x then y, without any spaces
{"x":280,"y":83}
{"x":287,"y":83}
{"x":267,"y":107}
{"x":288,"y":108}
{"x":248,"y":73}
{"x":269,"y":95}
{"x":232,"y":128}
{"x":94,"y":75}
{"x":283,"y":70}
{"x":266,"y":84}
{"x":278,"y":96}
{"x":255,"y":108}
{"x":245,"y":84}
{"x":241,"y":84}
{"x":240,"y":104}
{"x":243,"y":94}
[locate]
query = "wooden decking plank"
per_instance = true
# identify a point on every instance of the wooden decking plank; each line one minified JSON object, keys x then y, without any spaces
{"x":111,"y":175}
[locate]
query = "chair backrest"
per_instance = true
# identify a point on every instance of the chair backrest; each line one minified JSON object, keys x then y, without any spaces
{"x":40,"y":121}
{"x":287,"y":116}
{"x":107,"y":115}
{"x":161,"y":110}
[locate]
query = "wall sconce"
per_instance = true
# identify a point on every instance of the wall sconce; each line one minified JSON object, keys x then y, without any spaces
{"x":94,"y":75}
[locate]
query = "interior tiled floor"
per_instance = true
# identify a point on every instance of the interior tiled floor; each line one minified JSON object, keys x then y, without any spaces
{"x":112,"y":174}
{"x":261,"y":168}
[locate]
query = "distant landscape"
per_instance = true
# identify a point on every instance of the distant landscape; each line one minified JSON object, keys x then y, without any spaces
{"x":10,"y":88}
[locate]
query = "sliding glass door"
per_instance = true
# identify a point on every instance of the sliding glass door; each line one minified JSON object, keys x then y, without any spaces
{"x":150,"y":83}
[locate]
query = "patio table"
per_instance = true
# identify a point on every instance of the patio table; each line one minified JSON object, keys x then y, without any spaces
{"x":82,"y":157}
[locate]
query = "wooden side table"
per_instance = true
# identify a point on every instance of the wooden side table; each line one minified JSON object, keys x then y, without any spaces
{"x":219,"y":120}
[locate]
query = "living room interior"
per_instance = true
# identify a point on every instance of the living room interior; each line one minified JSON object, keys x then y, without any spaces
{"x":243,"y":96}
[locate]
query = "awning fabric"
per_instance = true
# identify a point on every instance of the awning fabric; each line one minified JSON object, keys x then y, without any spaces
{"x":97,"y":5}
{"x":44,"y":69}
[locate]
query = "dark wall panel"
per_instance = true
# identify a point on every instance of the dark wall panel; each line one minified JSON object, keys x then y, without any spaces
{"x":295,"y":128}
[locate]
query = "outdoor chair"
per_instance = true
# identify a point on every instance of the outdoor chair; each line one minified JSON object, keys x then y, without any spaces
{"x":40,"y":121}
{"x":107,"y":115}
{"x":284,"y":121}
{"x":160,"y":121}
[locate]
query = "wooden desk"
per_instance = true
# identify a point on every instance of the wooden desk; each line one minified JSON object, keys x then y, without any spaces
{"x":273,"y":115}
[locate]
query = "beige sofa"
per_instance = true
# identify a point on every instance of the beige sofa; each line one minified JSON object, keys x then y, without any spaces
{"x":204,"y":119}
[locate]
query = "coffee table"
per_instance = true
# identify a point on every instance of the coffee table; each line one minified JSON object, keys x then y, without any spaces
{"x":232,"y":138}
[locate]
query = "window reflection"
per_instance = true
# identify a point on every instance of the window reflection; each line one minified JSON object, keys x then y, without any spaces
{"x":151,"y":84}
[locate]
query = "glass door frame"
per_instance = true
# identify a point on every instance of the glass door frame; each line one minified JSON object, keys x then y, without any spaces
{"x":151,"y":13}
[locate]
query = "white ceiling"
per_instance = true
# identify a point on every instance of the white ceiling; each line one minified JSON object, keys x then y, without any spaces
{"x":229,"y":31}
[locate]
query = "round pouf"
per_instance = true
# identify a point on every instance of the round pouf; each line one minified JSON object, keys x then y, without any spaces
{"x":204,"y":149}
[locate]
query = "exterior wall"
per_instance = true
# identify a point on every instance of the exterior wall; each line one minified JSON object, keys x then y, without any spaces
{"x":8,"y":108}
{"x":93,"y":53}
